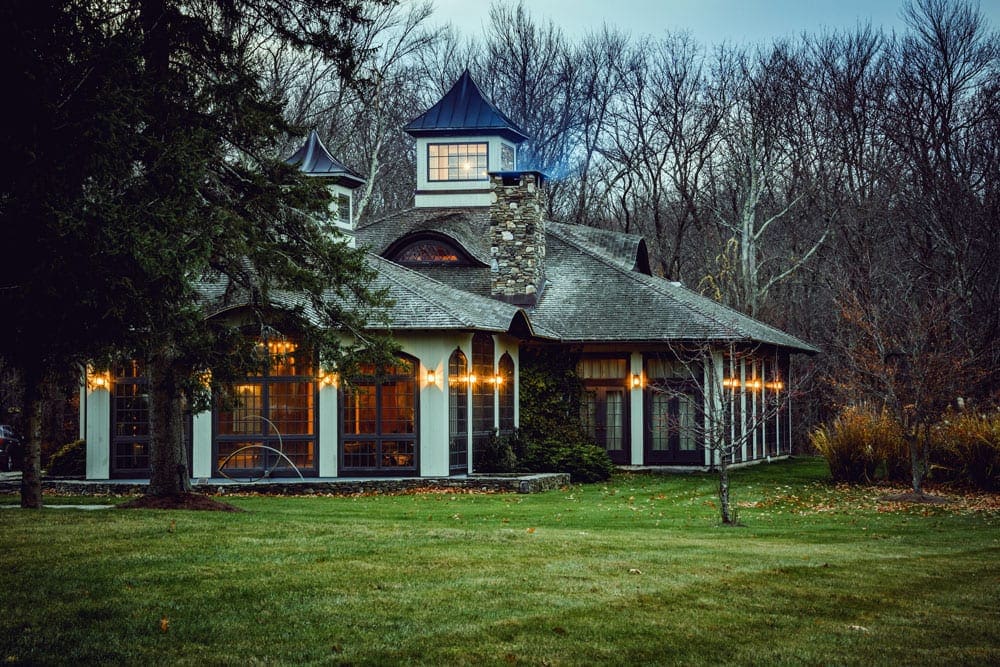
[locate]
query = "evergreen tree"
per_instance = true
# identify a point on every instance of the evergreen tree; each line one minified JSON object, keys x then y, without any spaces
{"x":143,"y":168}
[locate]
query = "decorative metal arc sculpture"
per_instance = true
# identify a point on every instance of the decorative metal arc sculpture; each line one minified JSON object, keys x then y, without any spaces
{"x":266,"y":473}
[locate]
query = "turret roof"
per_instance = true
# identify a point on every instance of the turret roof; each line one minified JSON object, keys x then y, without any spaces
{"x":314,"y":160}
{"x":464,"y":110}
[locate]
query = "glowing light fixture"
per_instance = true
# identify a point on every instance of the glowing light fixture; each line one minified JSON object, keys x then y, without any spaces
{"x":431,"y":377}
{"x":99,"y":380}
{"x":636,"y":380}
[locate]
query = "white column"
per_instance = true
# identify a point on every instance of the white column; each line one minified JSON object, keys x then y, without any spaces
{"x":98,"y":433}
{"x":713,"y":373}
{"x":201,"y":445}
{"x":328,"y":441}
{"x":637,"y":421}
{"x":434,"y":450}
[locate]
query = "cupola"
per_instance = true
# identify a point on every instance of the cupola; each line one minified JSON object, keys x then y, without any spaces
{"x":314,"y":160}
{"x":460,"y":140}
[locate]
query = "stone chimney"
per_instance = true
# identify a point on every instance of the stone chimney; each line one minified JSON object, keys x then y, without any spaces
{"x":517,"y":236}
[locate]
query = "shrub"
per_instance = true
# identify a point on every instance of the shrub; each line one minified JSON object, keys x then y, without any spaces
{"x":858,"y":441}
{"x":496,"y":455}
{"x":69,"y":461}
{"x":584,"y":461}
{"x":966,"y":447}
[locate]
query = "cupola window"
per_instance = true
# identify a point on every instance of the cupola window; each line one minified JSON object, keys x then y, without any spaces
{"x":457,"y":162}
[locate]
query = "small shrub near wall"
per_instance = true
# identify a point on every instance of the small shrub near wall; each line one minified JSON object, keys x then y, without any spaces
{"x":69,"y":461}
{"x":966,"y":448}
{"x":859,"y":442}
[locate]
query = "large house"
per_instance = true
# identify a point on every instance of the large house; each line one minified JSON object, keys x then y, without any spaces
{"x":477,"y":275}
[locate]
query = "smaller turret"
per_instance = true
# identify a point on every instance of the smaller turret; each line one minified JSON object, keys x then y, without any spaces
{"x":314,"y":160}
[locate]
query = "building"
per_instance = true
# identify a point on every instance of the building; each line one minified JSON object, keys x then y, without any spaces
{"x":478,"y":275}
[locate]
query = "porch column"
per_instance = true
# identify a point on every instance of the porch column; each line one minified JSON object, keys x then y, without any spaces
{"x":98,"y":401}
{"x":433,"y":417}
{"x":201,"y":445}
{"x":637,"y":414}
{"x":328,"y":427}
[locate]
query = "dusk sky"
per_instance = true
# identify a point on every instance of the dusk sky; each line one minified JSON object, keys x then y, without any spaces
{"x":710,"y":21}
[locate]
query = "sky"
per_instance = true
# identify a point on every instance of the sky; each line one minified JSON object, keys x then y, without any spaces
{"x":710,"y":21}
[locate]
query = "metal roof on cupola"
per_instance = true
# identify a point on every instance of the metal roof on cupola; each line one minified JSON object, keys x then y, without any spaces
{"x":464,"y":111}
{"x":314,"y":160}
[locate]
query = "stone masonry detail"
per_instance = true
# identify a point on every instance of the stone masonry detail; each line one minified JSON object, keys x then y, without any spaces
{"x":517,"y":237}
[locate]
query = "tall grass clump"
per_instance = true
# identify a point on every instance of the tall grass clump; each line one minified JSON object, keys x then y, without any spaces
{"x":966,"y":448}
{"x":858,"y":442}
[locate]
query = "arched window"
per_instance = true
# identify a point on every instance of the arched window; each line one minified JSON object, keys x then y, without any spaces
{"x":429,"y":251}
{"x":379,"y":418}
{"x":458,"y":412}
{"x":271,"y":410}
{"x":483,"y":391}
{"x":505,"y":390}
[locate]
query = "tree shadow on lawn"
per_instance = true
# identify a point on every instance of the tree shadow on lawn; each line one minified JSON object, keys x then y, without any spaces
{"x":180,"y":501}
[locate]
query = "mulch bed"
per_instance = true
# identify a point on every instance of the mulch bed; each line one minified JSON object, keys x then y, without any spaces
{"x":182,"y":501}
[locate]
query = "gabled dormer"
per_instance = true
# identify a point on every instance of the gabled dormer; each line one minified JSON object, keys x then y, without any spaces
{"x":314,"y":160}
{"x":459,"y":141}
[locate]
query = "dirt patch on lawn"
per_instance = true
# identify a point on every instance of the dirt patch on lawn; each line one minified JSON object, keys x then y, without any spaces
{"x":181,"y":501}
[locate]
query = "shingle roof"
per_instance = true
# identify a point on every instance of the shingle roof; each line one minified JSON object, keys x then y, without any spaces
{"x":598,"y":287}
{"x":466,"y":226}
{"x":418,"y":303}
{"x":464,"y":110}
{"x":313,"y":159}
{"x":421,"y":303}
{"x":590,"y":296}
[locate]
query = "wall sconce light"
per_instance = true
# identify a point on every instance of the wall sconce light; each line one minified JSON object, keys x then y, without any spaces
{"x":99,"y":380}
{"x":636,"y":380}
{"x":498,"y":380}
{"x":431,"y":377}
{"x":472,"y":379}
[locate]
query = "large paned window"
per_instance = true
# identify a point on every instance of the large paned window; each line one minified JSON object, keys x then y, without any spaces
{"x":457,"y":162}
{"x":673,"y":413}
{"x":130,"y":421}
{"x":483,"y":392}
{"x":269,"y":412}
{"x":379,"y":434}
{"x":604,"y":404}
{"x":458,"y":412}
{"x":505,"y":393}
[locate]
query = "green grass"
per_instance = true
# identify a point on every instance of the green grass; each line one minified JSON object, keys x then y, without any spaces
{"x":636,"y":571}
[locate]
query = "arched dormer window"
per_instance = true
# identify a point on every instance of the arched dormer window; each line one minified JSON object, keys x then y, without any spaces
{"x":428,"y":250}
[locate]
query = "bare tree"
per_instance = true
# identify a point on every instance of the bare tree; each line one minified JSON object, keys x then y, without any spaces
{"x":730,"y":399}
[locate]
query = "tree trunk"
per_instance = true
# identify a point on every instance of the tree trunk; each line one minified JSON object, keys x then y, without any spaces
{"x":31,"y":475}
{"x":724,"y":508}
{"x":167,"y":455}
{"x":916,"y":464}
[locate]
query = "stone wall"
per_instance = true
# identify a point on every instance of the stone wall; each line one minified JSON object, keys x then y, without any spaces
{"x":512,"y":483}
{"x":517,"y":237}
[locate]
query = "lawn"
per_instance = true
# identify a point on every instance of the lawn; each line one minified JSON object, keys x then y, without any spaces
{"x":635,"y":571}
